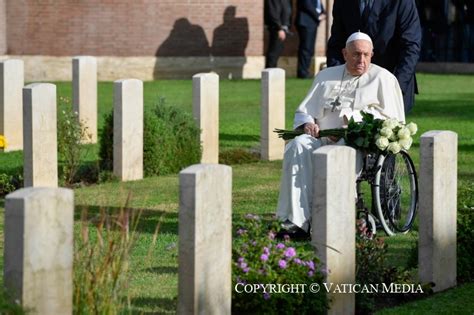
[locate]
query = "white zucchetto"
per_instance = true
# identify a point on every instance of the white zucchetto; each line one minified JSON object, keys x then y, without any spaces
{"x":358,"y":36}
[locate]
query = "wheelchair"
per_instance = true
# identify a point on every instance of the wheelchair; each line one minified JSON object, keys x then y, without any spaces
{"x":393,"y":186}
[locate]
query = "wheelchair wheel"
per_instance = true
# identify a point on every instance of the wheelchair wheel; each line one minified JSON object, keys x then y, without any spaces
{"x":395,"y":192}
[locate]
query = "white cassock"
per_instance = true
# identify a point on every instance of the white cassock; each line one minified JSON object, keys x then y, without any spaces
{"x":376,"y":91}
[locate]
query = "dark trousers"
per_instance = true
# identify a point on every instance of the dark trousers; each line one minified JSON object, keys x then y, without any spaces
{"x":275,"y":48}
{"x":307,"y":37}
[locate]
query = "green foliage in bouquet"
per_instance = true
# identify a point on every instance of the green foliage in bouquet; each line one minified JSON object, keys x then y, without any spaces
{"x":171,"y":141}
{"x":260,"y":259}
{"x":371,"y":134}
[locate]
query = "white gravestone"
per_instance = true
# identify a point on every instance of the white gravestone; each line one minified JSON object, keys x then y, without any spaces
{"x":333,"y":220}
{"x":273,"y":113}
{"x":11,"y":103}
{"x":128,"y":129}
{"x":438,"y":209}
{"x":84,"y":93}
{"x":40,"y":151}
{"x":205,"y":240}
{"x":206,"y":113}
{"x":38,"y":252}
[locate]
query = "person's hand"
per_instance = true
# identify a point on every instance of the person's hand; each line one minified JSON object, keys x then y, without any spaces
{"x":311,"y":129}
{"x":334,"y":138}
{"x":281,"y":35}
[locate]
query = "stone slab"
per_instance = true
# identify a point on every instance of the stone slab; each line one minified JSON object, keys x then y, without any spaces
{"x":272,"y":114}
{"x":205,"y":240}
{"x":40,"y":152}
{"x":84,"y":93}
{"x":128,"y":129}
{"x":438,"y":209}
{"x":38,"y":252}
{"x":333,"y":220}
{"x":206,"y":113}
{"x":11,"y":103}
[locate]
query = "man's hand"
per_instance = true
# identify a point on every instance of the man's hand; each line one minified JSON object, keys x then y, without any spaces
{"x":281,"y":35}
{"x":311,"y":129}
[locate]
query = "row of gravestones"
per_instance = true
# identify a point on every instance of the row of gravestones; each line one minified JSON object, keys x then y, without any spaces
{"x":39,"y":100}
{"x":39,"y":232}
{"x":38,"y":223}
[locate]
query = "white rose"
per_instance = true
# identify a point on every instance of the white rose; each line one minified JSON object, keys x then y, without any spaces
{"x":386,"y":132}
{"x":390,"y":123}
{"x":382,"y":143}
{"x":406,"y":143}
{"x":412,"y":127}
{"x":403,"y":133}
{"x":394,"y":147}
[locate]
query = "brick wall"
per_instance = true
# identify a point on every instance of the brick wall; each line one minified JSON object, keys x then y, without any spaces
{"x":3,"y":28}
{"x":134,"y":27}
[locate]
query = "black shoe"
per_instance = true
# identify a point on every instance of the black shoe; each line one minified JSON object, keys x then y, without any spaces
{"x":293,"y":231}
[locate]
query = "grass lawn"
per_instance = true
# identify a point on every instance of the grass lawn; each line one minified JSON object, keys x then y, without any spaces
{"x":445,"y":102}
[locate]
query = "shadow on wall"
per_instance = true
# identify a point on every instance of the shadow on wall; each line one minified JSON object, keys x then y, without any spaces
{"x":229,"y":39}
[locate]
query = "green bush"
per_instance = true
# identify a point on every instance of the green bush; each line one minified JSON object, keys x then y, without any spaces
{"x":465,"y":233}
{"x":170,"y":141}
{"x":10,"y":183}
{"x":8,"y":305}
{"x":465,"y":245}
{"x":259,"y":259}
{"x":371,"y":268}
{"x":71,"y":133}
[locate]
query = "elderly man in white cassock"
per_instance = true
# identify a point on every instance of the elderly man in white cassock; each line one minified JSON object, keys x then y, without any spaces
{"x":336,"y":95}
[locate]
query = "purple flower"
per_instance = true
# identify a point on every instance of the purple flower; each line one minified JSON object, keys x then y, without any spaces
{"x":254,"y":243}
{"x":264,"y":257}
{"x":282,"y":263}
{"x":297,"y":261}
{"x":241,"y":231}
{"x":280,"y":246}
{"x":266,"y":295}
{"x":243,"y":265}
{"x":289,"y":252}
{"x":310,"y":265}
{"x":241,"y":259}
{"x":245,"y":270}
{"x":266,"y":250}
{"x":310,"y":273}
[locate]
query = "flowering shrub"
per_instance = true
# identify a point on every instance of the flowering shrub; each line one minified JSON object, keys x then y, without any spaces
{"x":3,"y":142}
{"x":262,"y":261}
{"x":372,"y":268}
{"x":71,"y":134}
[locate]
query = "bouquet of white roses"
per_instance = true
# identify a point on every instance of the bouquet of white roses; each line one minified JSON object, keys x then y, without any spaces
{"x":370,"y":134}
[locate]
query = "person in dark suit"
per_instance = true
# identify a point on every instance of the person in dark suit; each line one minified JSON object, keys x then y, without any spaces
{"x":394,"y":27}
{"x":308,"y":15}
{"x":277,"y":18}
